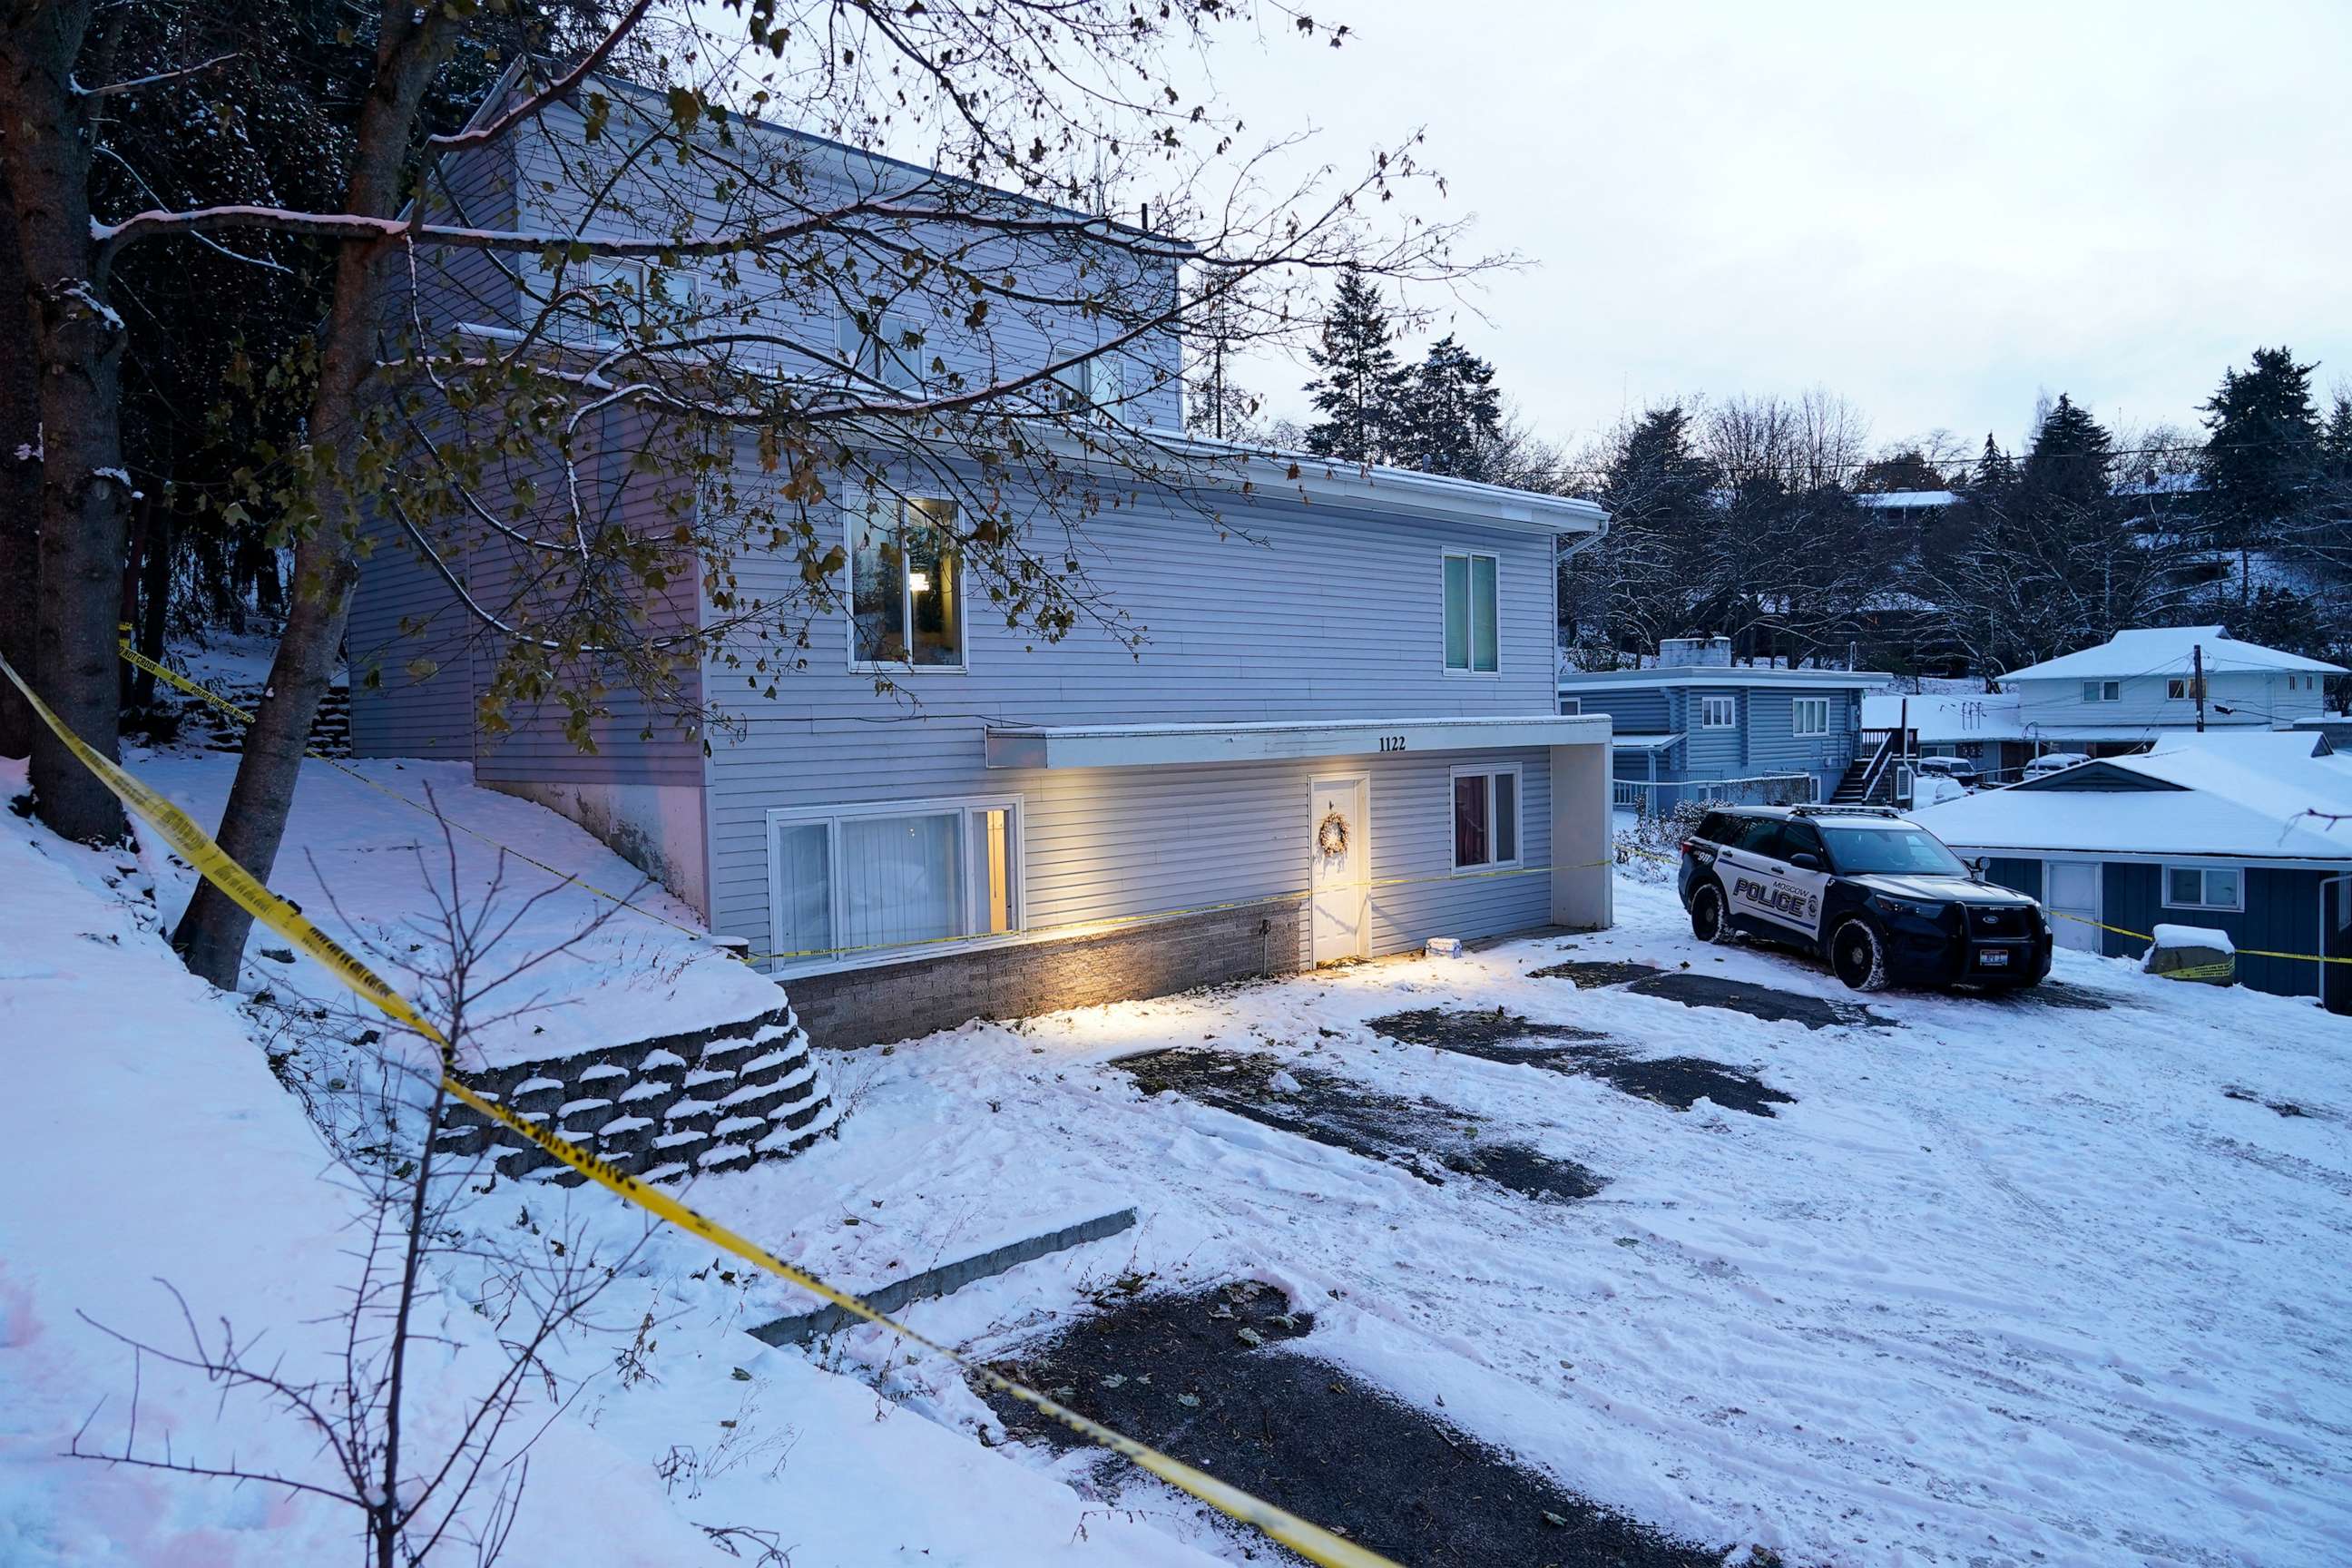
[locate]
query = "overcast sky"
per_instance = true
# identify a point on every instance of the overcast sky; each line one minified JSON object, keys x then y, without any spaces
{"x":1939,"y":212}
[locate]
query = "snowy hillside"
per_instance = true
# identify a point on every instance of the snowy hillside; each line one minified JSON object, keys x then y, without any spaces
{"x":150,"y":1152}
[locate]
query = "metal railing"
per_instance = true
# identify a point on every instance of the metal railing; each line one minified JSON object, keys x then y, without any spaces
{"x":1646,"y":798}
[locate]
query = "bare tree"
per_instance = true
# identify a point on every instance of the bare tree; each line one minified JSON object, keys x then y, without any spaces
{"x":420,"y":1489}
{"x":674,"y":278}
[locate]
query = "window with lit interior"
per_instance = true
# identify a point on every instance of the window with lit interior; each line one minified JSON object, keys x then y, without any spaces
{"x":906,"y":585}
{"x":850,"y":881}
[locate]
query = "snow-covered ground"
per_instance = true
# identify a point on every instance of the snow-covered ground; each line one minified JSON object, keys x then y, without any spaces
{"x":147,"y":1144}
{"x":2009,"y":1283}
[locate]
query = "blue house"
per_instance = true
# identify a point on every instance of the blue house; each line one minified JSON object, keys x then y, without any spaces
{"x":1338,"y":738}
{"x":1697,"y":727}
{"x":2241,"y":831}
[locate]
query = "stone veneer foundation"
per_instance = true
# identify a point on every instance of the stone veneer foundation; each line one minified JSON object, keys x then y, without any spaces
{"x":662,"y":1109}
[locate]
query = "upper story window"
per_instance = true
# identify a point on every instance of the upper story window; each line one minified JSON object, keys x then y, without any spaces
{"x":883,"y":349}
{"x":2204,"y":888}
{"x":1718,"y":712}
{"x":1486,"y":819}
{"x":1809,"y":716}
{"x":906,"y":585}
{"x":2180,"y":688}
{"x":2103,"y":692}
{"x":1473,"y":643}
{"x":605,"y":300}
{"x":1097,"y":386}
{"x":1571,"y":707}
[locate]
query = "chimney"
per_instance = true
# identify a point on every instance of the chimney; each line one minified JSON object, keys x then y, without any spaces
{"x":1683,"y":653}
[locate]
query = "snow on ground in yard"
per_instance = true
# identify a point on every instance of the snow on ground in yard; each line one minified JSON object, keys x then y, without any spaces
{"x":360,"y":863}
{"x":2011,"y":1283}
{"x":147,"y":1141}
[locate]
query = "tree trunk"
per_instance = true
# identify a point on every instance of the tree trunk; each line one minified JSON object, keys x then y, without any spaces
{"x":20,"y":485}
{"x":211,"y":936}
{"x":84,"y":492}
{"x":154,"y":617}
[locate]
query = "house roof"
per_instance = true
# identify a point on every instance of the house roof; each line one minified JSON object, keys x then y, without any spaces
{"x":2168,"y":650}
{"x":2245,"y":796}
{"x":1658,"y":676}
{"x":1946,"y":717}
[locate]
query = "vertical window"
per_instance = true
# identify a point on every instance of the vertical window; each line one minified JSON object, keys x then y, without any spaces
{"x":1473,"y":643}
{"x":1718,"y":712}
{"x":2204,"y":888}
{"x":906,"y":584}
{"x":1810,"y":716}
{"x":1486,"y":819}
{"x":882,"y":348}
{"x":856,"y":880}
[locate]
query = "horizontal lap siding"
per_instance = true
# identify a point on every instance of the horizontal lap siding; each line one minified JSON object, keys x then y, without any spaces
{"x":1631,"y":712}
{"x":412,"y":692}
{"x":1712,"y":753}
{"x":1335,"y":615}
{"x":1775,"y":747}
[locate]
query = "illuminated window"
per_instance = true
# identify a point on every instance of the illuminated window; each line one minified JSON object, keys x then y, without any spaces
{"x":852,"y":881}
{"x":906,"y":585}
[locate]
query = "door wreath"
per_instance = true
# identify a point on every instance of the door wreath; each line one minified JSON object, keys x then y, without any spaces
{"x":1331,"y":834}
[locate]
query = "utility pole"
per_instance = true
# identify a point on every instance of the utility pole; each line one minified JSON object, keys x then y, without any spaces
{"x":2196,"y":682}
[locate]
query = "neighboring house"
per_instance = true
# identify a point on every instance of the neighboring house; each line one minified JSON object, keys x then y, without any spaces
{"x":1697,"y":727}
{"x":1339,"y":739}
{"x":2143,"y":684}
{"x":2214,"y":830}
{"x":1984,"y":727}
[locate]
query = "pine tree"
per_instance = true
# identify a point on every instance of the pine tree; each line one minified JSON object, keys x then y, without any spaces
{"x":2070,"y":461}
{"x":2265,"y":448}
{"x":2336,"y":444}
{"x":1362,"y":390}
{"x":1451,"y":413}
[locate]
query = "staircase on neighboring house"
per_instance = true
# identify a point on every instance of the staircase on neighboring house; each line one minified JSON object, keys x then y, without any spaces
{"x":1879,"y":772}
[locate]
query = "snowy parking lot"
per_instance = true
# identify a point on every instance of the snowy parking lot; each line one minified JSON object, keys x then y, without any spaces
{"x":2056,"y":1278}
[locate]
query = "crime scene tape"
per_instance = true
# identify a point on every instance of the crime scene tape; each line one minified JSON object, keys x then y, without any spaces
{"x":196,"y":846}
{"x":132,"y":657}
{"x":2242,"y":953}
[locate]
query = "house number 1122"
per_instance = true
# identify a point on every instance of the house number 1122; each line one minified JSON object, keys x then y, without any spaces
{"x":1392,"y":742}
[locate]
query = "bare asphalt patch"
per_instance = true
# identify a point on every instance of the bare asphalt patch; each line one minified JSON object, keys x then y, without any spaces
{"x":1195,"y":1376}
{"x":1420,"y":1135}
{"x":1500,"y":1036}
{"x":1714,"y":991}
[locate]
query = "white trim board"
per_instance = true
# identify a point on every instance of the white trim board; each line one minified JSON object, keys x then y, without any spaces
{"x":1139,"y":745}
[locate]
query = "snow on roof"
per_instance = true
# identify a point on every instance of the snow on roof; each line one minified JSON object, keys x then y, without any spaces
{"x":1906,"y":500}
{"x":2247,"y":794}
{"x":1943,"y":717}
{"x":2168,"y":650}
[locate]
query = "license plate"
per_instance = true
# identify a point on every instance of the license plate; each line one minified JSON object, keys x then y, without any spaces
{"x":1993,"y":958}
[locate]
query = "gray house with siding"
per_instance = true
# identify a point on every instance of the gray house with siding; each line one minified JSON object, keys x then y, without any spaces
{"x":1697,"y":727}
{"x":1339,"y":739}
{"x":2235,"y":831}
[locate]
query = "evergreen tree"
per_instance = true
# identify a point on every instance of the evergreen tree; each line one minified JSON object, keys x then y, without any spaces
{"x":2265,"y":448}
{"x":1451,"y":413}
{"x":1994,"y":472}
{"x":2070,"y":462}
{"x":1362,"y":390}
{"x":2336,"y":443}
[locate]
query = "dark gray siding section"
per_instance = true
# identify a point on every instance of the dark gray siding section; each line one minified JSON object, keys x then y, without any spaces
{"x":2282,"y":915}
{"x":2020,"y":876}
{"x":1635,"y":712}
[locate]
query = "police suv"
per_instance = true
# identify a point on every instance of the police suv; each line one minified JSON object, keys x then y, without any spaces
{"x":1879,"y":898}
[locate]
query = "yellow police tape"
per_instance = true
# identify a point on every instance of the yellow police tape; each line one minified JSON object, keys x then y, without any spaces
{"x":2242,"y":953}
{"x":196,"y":846}
{"x":139,"y":660}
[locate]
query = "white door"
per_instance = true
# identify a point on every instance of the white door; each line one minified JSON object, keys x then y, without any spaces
{"x":1763,"y":884}
{"x":1339,"y":855}
{"x":2072,"y":887}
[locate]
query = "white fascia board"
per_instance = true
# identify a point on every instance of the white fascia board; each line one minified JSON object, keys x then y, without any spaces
{"x":1714,"y":675}
{"x":1148,"y":746}
{"x":2145,"y":857}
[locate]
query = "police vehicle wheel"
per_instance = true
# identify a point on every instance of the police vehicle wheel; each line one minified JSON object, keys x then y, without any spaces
{"x":1856,"y":957}
{"x":1706,"y":914}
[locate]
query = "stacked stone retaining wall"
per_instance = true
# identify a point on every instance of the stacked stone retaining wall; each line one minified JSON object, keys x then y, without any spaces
{"x":661,"y":1110}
